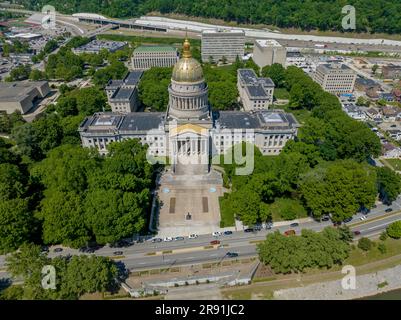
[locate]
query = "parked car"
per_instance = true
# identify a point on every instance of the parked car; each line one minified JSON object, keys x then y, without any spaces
{"x":295,"y":224}
{"x":290,"y":233}
{"x":168,"y":239}
{"x":193,"y":236}
{"x":45,"y":249}
{"x":216,"y":234}
{"x":178,"y":238}
{"x":248,"y":230}
{"x":87,"y":250}
{"x":257,"y":228}
{"x":347,"y":220}
{"x":389,"y":210}
{"x":214,"y":242}
{"x":269,"y":225}
{"x":58,"y":250}
{"x":117,"y":253}
{"x":357,"y":233}
{"x":363,"y":218}
{"x":232,"y":254}
{"x":227,"y":233}
{"x":326,"y":218}
{"x":154,"y":240}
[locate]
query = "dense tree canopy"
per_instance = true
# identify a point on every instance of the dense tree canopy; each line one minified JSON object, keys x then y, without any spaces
{"x":310,"y":250}
{"x":339,"y":188}
{"x":74,"y":276}
{"x":372,"y":16}
{"x":389,"y":184}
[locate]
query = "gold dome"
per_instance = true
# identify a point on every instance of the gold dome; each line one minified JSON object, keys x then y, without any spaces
{"x":187,"y":69}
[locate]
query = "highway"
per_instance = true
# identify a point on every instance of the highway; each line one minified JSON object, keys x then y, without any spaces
{"x":148,"y":255}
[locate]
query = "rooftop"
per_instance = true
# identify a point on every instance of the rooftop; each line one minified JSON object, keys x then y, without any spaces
{"x":17,"y":91}
{"x":261,"y":119}
{"x":265,"y":43}
{"x":97,"y":45}
{"x":142,"y":49}
{"x":133,"y":78}
{"x":123,"y":93}
{"x":223,"y":31}
{"x":294,"y":54}
{"x":136,"y":121}
{"x":335,"y":66}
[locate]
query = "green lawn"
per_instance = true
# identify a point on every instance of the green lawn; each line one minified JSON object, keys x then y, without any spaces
{"x":359,"y":257}
{"x":395,"y":163}
{"x":281,"y":93}
{"x":227,"y":217}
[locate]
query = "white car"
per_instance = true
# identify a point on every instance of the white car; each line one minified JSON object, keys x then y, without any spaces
{"x":216,"y":234}
{"x":168,"y":239}
{"x":363,"y":218}
{"x":193,"y":236}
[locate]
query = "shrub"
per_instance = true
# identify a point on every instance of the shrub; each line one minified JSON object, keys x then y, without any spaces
{"x":394,"y":230}
{"x":382,"y":248}
{"x":365,"y":244}
{"x":383,"y":236}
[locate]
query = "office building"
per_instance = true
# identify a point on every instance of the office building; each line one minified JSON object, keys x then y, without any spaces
{"x":189,"y":129}
{"x":222,"y":44}
{"x":21,"y":96}
{"x":268,"y":52}
{"x":335,"y":78}
{"x":255,"y":93}
{"x":146,"y":57}
{"x":122,"y":95}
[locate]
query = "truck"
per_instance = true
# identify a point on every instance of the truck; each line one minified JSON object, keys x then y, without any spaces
{"x":320,"y":45}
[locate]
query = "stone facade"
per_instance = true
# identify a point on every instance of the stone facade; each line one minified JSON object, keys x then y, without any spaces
{"x":146,"y":57}
{"x":255,"y":93}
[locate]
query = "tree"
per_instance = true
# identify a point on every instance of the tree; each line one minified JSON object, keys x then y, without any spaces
{"x":310,"y":250}
{"x":37,"y":75}
{"x":19,"y":73}
{"x":374,"y":68}
{"x":27,"y":141}
{"x":382,"y":248}
{"x":394,"y":230}
{"x":85,"y":274}
{"x":339,"y":189}
{"x":153,"y":88}
{"x":12,"y":184}
{"x":62,"y":214}
{"x":365,"y":244}
{"x":27,"y":263}
{"x":389,"y":184}
{"x":15,"y":224}
{"x":114,"y":214}
{"x":276,"y":72}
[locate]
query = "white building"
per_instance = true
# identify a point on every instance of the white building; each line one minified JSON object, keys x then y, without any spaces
{"x":122,"y":95}
{"x":255,"y":93}
{"x":146,"y":57}
{"x":335,"y":78}
{"x":189,"y":133}
{"x":219,"y":43}
{"x":268,"y":52}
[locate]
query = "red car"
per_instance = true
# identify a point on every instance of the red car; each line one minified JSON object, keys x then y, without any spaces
{"x":215,"y":242}
{"x":357,"y":233}
{"x":289,"y":233}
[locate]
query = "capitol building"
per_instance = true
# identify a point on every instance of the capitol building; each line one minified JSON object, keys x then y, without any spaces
{"x":190,"y":132}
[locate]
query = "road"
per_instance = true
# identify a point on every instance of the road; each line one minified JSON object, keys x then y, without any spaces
{"x":147,"y":255}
